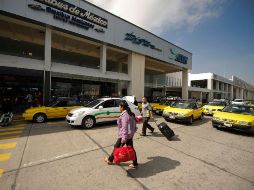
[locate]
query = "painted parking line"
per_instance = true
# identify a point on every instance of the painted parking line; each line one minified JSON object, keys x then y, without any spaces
{"x":8,"y":145}
{"x":5,"y":156}
{"x":9,"y":137}
{"x":1,"y":172}
{"x":10,"y":133}
{"x":11,"y":129}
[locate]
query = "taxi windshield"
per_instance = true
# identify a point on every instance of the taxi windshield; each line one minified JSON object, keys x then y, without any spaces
{"x":93,"y":103}
{"x":246,"y":110}
{"x":216,"y":103}
{"x":162,"y":102}
{"x":183,"y":105}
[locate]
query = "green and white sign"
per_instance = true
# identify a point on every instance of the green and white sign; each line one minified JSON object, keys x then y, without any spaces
{"x":177,"y":56}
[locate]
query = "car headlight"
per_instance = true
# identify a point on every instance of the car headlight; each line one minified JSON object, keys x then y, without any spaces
{"x":78,"y":114}
{"x":244,"y":123}
{"x":216,"y":118}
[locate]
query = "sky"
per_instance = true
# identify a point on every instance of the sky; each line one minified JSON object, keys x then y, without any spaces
{"x":218,"y":33}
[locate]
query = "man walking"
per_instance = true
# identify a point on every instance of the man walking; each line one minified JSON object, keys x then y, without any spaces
{"x":146,"y":113}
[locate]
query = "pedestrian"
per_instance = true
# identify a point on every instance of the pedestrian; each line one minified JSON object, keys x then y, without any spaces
{"x":126,"y":130}
{"x":29,"y":100}
{"x":135,"y":101}
{"x":147,"y":114}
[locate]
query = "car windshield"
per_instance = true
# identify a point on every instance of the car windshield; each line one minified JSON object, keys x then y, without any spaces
{"x":183,"y":105}
{"x":93,"y":103}
{"x":162,"y":102}
{"x":238,"y":100}
{"x":52,"y":104}
{"x":246,"y":110}
{"x":216,"y":103}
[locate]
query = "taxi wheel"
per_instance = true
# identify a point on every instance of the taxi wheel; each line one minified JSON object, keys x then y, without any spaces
{"x":39,"y":118}
{"x":88,"y":122}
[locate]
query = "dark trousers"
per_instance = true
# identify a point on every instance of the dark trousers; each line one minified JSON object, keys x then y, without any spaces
{"x":119,"y":144}
{"x":146,"y":125}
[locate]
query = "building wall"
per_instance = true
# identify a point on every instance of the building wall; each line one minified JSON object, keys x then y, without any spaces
{"x":114,"y":33}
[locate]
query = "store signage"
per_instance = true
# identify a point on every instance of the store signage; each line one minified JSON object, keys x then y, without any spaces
{"x":140,"y":41}
{"x":65,"y":17}
{"x":177,"y":56}
{"x":75,"y":11}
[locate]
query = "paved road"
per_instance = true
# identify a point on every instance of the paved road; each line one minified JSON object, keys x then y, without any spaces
{"x":55,"y":156}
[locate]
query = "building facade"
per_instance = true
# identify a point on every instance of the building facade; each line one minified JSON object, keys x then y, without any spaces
{"x":74,"y":48}
{"x":208,"y":86}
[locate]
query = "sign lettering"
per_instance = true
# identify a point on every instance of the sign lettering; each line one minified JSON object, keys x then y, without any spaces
{"x":177,"y":56}
{"x":75,"y":11}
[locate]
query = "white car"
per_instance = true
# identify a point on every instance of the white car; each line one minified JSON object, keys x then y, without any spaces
{"x":97,"y":111}
{"x":238,"y":102}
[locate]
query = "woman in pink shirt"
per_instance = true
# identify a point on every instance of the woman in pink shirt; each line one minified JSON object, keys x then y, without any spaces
{"x":126,"y":130}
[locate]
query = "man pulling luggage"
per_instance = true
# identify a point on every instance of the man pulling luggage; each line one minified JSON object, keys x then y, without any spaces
{"x":147,"y":114}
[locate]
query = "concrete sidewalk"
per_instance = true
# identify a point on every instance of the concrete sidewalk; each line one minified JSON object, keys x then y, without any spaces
{"x":55,"y":156}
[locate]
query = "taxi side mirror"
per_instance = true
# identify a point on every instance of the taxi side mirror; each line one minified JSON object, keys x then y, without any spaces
{"x":100,"y":107}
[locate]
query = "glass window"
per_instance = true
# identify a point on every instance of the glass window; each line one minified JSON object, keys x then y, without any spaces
{"x":62,"y":103}
{"x":109,"y":104}
{"x":72,"y":58}
{"x":20,"y":40}
{"x":71,"y":50}
{"x":199,"y":83}
{"x":117,"y":102}
{"x":21,"y":48}
{"x":73,"y":103}
{"x":117,"y":61}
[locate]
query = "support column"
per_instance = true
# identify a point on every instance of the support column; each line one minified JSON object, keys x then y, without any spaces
{"x":242,"y":93}
{"x":136,"y":72}
{"x":185,"y":84}
{"x":47,"y":67}
{"x":232,"y":92}
{"x":210,"y":87}
{"x":103,"y":58}
{"x":201,"y":96}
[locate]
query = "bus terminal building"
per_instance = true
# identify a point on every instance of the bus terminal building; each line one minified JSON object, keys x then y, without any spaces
{"x":77,"y":49}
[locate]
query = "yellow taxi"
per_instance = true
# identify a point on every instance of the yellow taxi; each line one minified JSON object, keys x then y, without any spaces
{"x":213,"y":106}
{"x":158,"y":109}
{"x":57,"y":109}
{"x":239,"y":117}
{"x":153,"y":104}
{"x":185,"y":111}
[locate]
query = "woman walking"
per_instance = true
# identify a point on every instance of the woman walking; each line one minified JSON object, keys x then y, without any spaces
{"x":126,"y":130}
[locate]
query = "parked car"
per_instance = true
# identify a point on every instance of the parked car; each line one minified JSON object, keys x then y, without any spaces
{"x":97,"y":111}
{"x":214,"y":106}
{"x":185,"y":111}
{"x":239,"y":117}
{"x":56,"y":109}
{"x":238,"y":102}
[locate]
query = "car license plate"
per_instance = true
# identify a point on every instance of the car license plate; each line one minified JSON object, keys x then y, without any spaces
{"x":227,"y":125}
{"x":157,"y":111}
{"x":172,"y":117}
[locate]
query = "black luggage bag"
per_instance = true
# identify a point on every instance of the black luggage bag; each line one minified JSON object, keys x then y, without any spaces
{"x":166,"y":131}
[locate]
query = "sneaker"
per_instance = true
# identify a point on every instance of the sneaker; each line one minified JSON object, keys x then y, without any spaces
{"x":152,"y":130}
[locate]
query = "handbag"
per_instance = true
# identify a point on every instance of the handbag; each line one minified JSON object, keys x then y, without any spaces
{"x":124,"y":154}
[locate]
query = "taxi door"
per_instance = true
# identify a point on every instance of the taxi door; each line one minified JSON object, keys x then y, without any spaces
{"x":108,"y":112}
{"x":56,"y":111}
